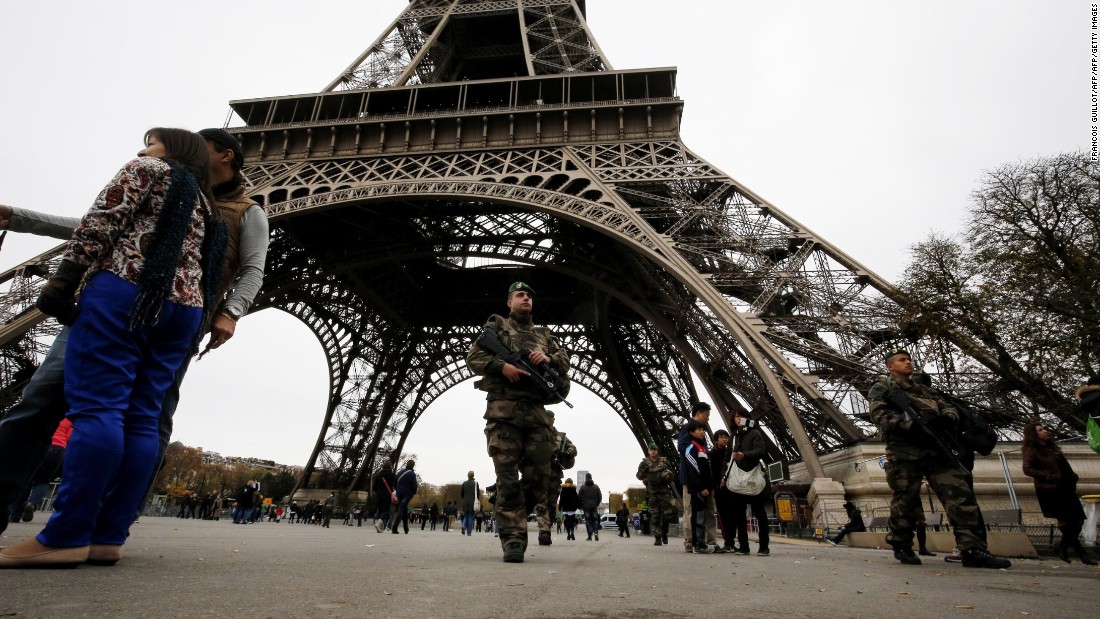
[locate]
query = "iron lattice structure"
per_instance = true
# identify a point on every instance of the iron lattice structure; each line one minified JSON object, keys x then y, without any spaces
{"x":475,"y":143}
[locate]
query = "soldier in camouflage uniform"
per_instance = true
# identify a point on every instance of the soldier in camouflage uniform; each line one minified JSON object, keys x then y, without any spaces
{"x":912,"y":454}
{"x":546,"y":506}
{"x":519,"y":432}
{"x":658,"y":476}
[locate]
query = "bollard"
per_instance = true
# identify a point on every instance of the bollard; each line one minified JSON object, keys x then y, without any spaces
{"x":1090,"y":501}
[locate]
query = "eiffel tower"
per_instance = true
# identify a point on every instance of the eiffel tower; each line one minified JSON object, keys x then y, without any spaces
{"x":478,"y":142}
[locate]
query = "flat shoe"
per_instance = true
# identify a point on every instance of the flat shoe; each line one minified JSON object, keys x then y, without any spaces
{"x":12,"y":558}
{"x":104,"y":554}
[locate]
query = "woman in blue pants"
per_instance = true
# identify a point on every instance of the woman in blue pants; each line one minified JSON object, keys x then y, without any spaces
{"x":146,"y":260}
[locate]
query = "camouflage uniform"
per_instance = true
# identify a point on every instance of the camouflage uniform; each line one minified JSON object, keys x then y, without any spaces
{"x":518,"y":429}
{"x":659,"y":477}
{"x":911,"y":456}
{"x":546,"y":509}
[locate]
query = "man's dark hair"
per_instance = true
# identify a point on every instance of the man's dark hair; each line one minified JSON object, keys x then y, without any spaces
{"x":720,"y":433}
{"x":223,"y":141}
{"x":700,"y":407}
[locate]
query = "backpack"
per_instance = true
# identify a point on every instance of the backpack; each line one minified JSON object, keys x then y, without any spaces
{"x":975,"y":432}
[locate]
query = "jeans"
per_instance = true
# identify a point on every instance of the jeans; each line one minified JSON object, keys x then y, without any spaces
{"x":591,"y":521}
{"x":40,"y":483}
{"x":402,"y":514}
{"x":117,"y":377}
{"x":27,"y":430}
{"x":468,"y":522}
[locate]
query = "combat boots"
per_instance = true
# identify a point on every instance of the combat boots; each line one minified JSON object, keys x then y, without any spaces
{"x":906,"y":556}
{"x":513,"y":552}
{"x":980,"y":557}
{"x":544,"y":538}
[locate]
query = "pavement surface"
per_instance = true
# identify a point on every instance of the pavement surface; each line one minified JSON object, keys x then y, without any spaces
{"x":196,"y":568}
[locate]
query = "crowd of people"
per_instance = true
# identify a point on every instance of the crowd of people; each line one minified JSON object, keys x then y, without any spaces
{"x":172,"y":251}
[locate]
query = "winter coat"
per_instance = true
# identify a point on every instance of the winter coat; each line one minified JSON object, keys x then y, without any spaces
{"x":569,"y":500}
{"x":590,"y":495}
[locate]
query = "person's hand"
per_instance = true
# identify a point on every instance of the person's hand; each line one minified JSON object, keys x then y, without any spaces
{"x":5,"y":216}
{"x":58,"y":296}
{"x":538,"y":357}
{"x":221,"y":329}
{"x":737,"y":455}
{"x":705,"y":492}
{"x":512,"y":373}
{"x":58,"y":299}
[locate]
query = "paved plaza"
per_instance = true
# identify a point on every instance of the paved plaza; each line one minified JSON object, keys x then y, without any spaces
{"x":198,"y":568}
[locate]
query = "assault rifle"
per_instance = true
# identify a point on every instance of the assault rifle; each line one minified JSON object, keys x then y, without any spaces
{"x":546,"y":379}
{"x":946,"y":445}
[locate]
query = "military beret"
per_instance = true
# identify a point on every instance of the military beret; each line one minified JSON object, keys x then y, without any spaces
{"x":520,"y":286}
{"x":895,"y":350}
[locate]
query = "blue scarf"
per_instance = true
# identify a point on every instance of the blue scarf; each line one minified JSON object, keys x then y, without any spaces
{"x":162,"y":259}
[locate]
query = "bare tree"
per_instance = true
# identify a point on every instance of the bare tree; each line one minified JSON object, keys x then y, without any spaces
{"x":1023,"y":280}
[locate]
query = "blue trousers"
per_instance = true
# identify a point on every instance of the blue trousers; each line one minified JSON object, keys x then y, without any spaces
{"x":116,"y":380}
{"x":468,"y":522}
{"x":27,"y":429}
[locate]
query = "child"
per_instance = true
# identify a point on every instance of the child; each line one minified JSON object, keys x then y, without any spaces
{"x":697,"y":474}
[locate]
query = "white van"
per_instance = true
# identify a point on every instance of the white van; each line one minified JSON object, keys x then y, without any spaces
{"x":607,"y":521}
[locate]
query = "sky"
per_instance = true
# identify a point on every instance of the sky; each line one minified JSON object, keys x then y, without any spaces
{"x":869,"y":122}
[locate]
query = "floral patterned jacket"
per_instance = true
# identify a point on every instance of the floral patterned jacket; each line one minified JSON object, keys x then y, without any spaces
{"x":115,"y":233}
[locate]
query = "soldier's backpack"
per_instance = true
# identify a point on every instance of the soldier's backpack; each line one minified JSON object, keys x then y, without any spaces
{"x":975,"y":432}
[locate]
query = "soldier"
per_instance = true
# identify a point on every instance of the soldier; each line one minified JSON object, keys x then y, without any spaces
{"x":519,"y":433}
{"x":546,"y":506}
{"x":915,"y":450}
{"x":658,"y":476}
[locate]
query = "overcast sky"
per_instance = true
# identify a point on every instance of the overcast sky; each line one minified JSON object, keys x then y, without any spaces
{"x":870,"y":122}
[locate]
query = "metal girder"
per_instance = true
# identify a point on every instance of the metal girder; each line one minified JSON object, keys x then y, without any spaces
{"x":661,"y":264}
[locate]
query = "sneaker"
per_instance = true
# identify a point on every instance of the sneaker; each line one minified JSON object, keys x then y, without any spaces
{"x":513,"y":552}
{"x":689,"y":549}
{"x":729,"y":548}
{"x":544,"y":538}
{"x":718,"y":550}
{"x":378,"y":526}
{"x":831,"y":542}
{"x":664,"y":539}
{"x":906,"y":556}
{"x":954,"y":557}
{"x":924,"y":552}
{"x":703,"y":550}
{"x":657,"y":542}
{"x":742,"y":551}
{"x":980,"y":557}
{"x":28,"y":512}
{"x":597,"y":537}
{"x":763,"y":552}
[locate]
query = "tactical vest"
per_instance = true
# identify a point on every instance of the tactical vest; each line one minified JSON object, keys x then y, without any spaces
{"x":538,"y":338}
